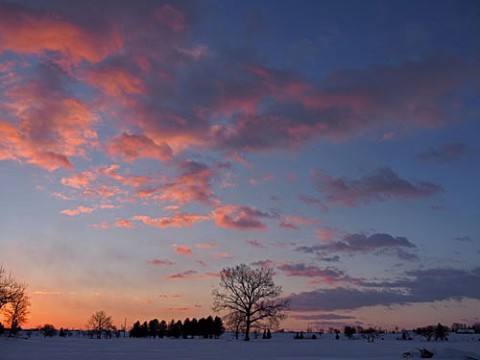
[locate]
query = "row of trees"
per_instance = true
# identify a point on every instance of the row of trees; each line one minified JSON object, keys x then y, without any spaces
{"x":14,"y":301}
{"x":248,"y":296}
{"x":204,"y":327}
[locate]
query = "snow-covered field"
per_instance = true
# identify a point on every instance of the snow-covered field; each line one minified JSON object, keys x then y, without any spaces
{"x":281,"y":346}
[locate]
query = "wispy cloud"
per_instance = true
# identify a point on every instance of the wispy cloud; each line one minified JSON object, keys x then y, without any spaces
{"x":424,"y":286}
{"x":77,"y":211}
{"x":445,"y":153}
{"x":160,"y":262}
{"x":361,"y":243}
{"x":182,"y":249}
{"x":178,"y":220}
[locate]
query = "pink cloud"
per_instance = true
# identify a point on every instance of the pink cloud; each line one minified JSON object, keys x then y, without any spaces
{"x":169,"y":296}
{"x":77,"y":211}
{"x":320,"y":275}
{"x":103,"y":225}
{"x":79,"y":181}
{"x":221,"y":255}
{"x":178,"y":219}
{"x":26,"y":32}
{"x":192,"y":274}
{"x":115,"y":81}
{"x":293,"y":222}
{"x":124,"y":224}
{"x":206,"y":246}
{"x":131,"y":147}
{"x":192,"y":185}
{"x":208,"y":275}
{"x":127,"y":180}
{"x":51,"y":127}
{"x":183,"y":275}
{"x":239,"y":217}
{"x":161,"y":262}
{"x":171,"y":17}
{"x":182,"y":249}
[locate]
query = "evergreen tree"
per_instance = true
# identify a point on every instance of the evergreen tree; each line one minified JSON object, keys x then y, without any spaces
{"x":153,"y":326}
{"x":194,"y":327}
{"x":210,"y":324}
{"x":187,"y":328}
{"x":202,"y":328}
{"x":162,"y":329}
{"x":218,"y":328}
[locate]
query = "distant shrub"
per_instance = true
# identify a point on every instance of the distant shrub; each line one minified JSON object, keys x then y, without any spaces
{"x":349,"y":331}
{"x":48,"y":330}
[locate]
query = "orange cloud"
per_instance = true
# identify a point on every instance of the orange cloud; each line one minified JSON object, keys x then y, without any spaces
{"x":78,"y":181}
{"x":77,"y":211}
{"x":221,"y":255}
{"x":239,"y":217}
{"x":182,"y":249}
{"x":115,"y":81}
{"x":132,"y":147}
{"x":124,"y":223}
{"x":167,"y":296}
{"x":25,"y":32}
{"x":293,"y":222}
{"x":192,"y":185}
{"x":52,"y":126}
{"x":127,"y":180}
{"x":206,"y":246}
{"x":178,"y":220}
{"x":102,"y":225}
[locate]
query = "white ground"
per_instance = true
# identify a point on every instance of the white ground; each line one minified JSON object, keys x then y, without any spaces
{"x":282,"y":346}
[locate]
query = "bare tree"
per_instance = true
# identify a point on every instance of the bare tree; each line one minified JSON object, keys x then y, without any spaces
{"x":7,"y":287}
{"x":251,"y":293}
{"x":235,"y":320}
{"x":17,"y":311}
{"x":100,"y":323}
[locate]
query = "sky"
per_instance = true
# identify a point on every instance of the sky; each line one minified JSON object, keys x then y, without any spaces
{"x":146,"y":145}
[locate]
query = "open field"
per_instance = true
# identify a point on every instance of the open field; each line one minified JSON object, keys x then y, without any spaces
{"x":281,"y":346}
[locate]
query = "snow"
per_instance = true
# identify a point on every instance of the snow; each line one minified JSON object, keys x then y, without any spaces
{"x":281,"y":346}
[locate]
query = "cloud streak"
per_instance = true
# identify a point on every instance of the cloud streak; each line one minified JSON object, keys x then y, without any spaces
{"x":360,"y":243}
{"x":381,"y":185}
{"x":424,"y":286}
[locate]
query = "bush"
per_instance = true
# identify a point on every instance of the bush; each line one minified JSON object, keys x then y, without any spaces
{"x":48,"y":330}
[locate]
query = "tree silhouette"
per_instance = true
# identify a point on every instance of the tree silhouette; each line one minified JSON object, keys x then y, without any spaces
{"x":194,"y":327}
{"x":186,"y":328}
{"x":153,"y":326}
{"x":251,"y":292}
{"x":48,"y":330}
{"x":16,"y":311}
{"x":100,"y":323}
{"x":218,"y":328}
{"x":14,"y":300}
{"x":349,"y":331}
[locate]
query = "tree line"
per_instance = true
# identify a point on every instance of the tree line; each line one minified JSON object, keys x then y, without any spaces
{"x":248,"y":297}
{"x":207,"y":328}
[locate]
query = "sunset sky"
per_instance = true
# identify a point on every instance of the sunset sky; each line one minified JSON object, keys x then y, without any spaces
{"x":146,"y":145}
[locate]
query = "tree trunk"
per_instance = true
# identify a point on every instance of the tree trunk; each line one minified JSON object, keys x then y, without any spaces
{"x":247,"y":329}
